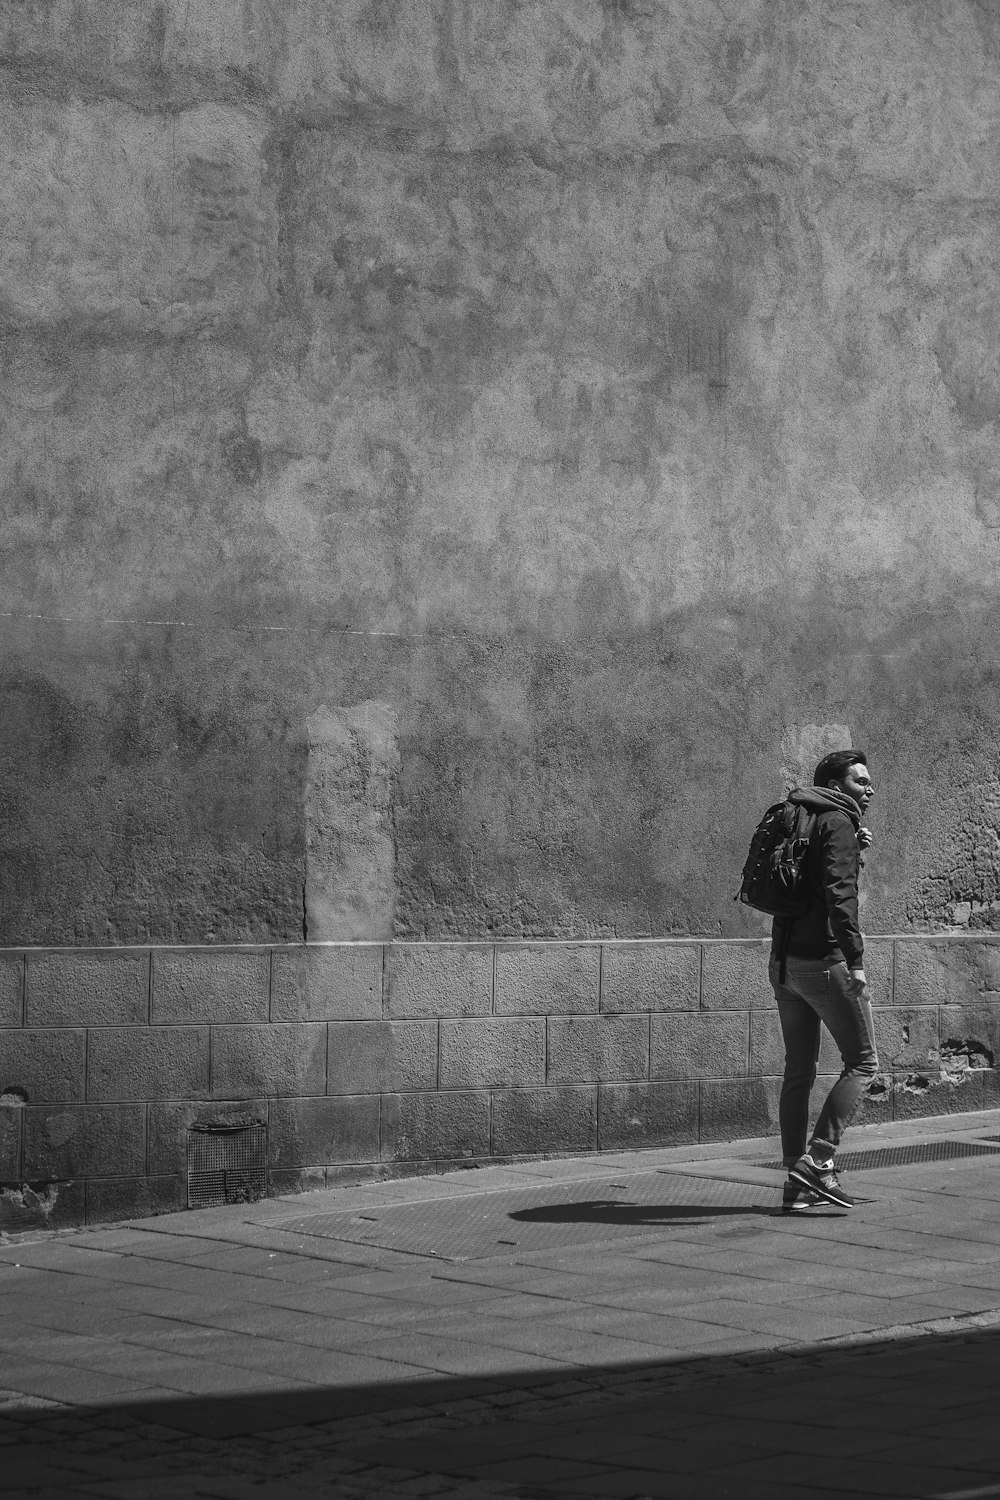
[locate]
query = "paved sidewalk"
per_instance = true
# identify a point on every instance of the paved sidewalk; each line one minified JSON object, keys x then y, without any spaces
{"x":642,"y":1324}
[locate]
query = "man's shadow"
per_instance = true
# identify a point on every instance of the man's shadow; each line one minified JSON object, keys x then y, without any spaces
{"x":608,"y":1211}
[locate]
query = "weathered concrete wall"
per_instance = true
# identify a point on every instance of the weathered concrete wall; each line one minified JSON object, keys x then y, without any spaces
{"x":607,"y":390}
{"x":364,"y":1059}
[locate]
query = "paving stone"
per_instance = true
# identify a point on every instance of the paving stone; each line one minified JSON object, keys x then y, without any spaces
{"x":549,"y":979}
{"x":112,"y":1198}
{"x":342,"y":982}
{"x":492,"y":1053}
{"x":87,"y":989}
{"x":974,"y":1027}
{"x":430,"y":980}
{"x":945,"y":971}
{"x":313,"y":1132}
{"x":268,"y":1060}
{"x":375,"y":1057}
{"x":734,"y":976}
{"x":865,"y":1476}
{"x":283,"y":1181}
{"x":699,"y":1044}
{"x":534,"y":1121}
{"x":879,"y":961}
{"x":128,"y":1063}
{"x":991,"y":1088}
{"x":11,"y":988}
{"x":11,"y":1121}
{"x":734,"y":1108}
{"x":85,"y":1140}
{"x":877,"y":1105}
{"x":427,"y":1127}
{"x":650,"y":976}
{"x":597,"y":1049}
{"x":905,"y":1037}
{"x":207,"y":984}
{"x":919,"y":1093}
{"x":632,"y":1116}
{"x":43,"y":1066}
{"x":44,"y":1206}
{"x":767,"y":1048}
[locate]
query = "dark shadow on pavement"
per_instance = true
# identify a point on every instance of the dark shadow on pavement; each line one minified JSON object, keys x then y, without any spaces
{"x":610,"y":1211}
{"x":908,"y":1417}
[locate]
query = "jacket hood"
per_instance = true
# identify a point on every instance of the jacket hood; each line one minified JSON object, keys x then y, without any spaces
{"x":824,"y":799}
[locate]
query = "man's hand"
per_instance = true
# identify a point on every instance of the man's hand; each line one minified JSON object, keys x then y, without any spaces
{"x":865,"y":838}
{"x":859,"y":975}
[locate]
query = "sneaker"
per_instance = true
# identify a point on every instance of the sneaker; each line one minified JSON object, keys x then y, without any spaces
{"x":822,"y":1180}
{"x":795,"y":1198}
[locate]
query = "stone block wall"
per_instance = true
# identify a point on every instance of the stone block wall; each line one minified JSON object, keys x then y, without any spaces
{"x":372,"y":1059}
{"x":460,"y":461}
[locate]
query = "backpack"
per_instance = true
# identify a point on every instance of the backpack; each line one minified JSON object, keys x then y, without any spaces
{"x":774,"y":876}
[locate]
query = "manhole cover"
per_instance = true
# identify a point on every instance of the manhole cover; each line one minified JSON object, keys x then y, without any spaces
{"x":497,"y":1224}
{"x":903,"y":1156}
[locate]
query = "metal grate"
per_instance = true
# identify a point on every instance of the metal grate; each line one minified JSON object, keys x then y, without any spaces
{"x":903,"y":1156}
{"x":525,"y":1220}
{"x":226,"y":1164}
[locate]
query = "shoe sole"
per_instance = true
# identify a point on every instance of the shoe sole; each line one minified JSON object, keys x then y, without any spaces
{"x":824,"y":1193}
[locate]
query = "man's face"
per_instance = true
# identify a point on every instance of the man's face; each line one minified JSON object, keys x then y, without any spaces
{"x":857,"y":784}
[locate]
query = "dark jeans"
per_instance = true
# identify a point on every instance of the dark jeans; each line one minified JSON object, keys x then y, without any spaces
{"x":816,"y":992}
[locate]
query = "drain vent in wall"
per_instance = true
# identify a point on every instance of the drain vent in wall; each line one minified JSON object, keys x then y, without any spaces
{"x":902,"y":1156}
{"x":226,"y":1164}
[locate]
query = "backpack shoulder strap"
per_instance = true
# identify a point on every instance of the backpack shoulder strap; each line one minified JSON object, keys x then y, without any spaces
{"x":806,"y":822}
{"x":800,"y":827}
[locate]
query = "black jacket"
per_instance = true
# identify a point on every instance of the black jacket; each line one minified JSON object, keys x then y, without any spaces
{"x":829,"y":929}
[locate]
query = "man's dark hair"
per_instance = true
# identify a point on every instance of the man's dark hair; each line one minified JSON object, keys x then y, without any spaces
{"x":834,"y":767}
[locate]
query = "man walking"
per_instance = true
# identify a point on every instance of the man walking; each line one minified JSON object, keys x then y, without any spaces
{"x":817,"y":972}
